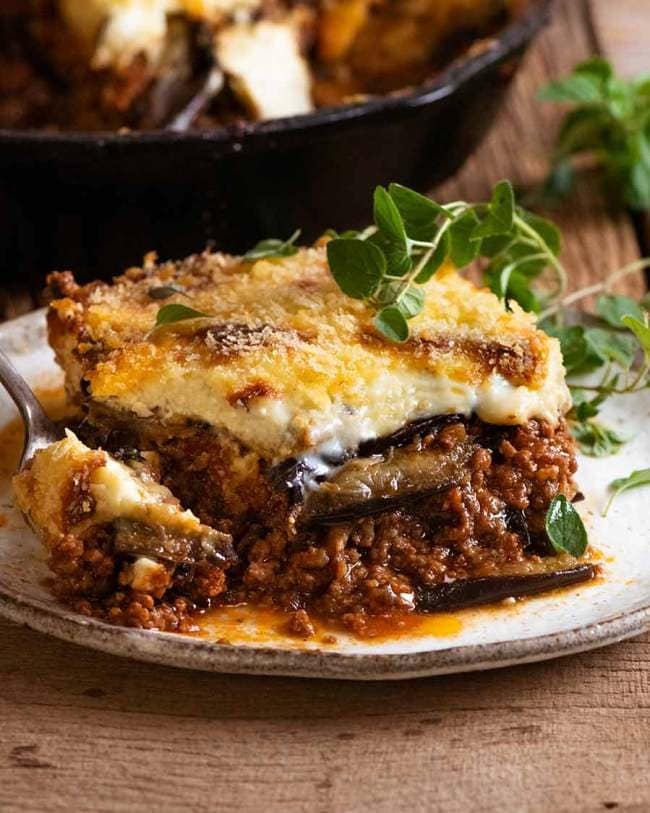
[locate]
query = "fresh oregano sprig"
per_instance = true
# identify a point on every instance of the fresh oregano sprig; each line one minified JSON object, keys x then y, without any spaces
{"x":638,"y":478}
{"x":609,"y":121}
{"x":412,"y":236}
{"x":611,"y":346}
{"x":272,"y":248}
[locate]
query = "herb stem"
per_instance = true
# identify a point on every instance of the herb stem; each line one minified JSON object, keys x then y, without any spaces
{"x":418,"y":267}
{"x":367,"y":232}
{"x":549,"y":256}
{"x":598,"y":288}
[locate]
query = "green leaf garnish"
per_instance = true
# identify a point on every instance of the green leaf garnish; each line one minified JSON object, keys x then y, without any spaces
{"x":357,"y":266}
{"x":419,"y":214}
{"x":564,"y":527}
{"x":638,"y":478}
{"x":396,"y":254}
{"x":170,"y":314}
{"x":596,"y":440}
{"x":433,"y":263}
{"x":392,"y":323}
{"x":388,"y":218}
{"x":501,"y":213}
{"x":641,"y":331}
{"x":273,"y":248}
{"x":411,"y":302}
{"x":609,"y":121}
{"x":413,"y":237}
{"x":588,"y":83}
{"x":463,"y":250}
{"x":611,"y":346}
{"x":612,"y":309}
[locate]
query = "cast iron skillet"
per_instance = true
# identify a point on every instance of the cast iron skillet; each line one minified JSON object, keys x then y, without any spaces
{"x":96,"y":202}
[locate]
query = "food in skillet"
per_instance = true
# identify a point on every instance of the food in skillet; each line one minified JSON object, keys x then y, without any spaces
{"x":106,"y":64}
{"x":251,"y":434}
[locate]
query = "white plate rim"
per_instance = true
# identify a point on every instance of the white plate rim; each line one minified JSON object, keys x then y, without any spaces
{"x":173,"y":649}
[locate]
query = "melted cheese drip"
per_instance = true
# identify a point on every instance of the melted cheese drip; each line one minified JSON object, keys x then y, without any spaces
{"x":278,"y":425}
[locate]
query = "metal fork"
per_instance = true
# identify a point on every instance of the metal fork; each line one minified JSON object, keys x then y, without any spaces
{"x":39,"y":429}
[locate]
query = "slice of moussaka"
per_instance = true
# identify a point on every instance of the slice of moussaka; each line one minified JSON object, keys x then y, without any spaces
{"x":264,"y":444}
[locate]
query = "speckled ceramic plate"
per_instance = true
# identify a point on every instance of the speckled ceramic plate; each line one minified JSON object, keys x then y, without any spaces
{"x":607,"y":610}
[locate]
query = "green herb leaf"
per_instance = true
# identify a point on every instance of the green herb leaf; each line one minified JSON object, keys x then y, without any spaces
{"x":388,"y":218}
{"x":582,"y":129}
{"x":273,"y":248}
{"x":348,"y":234}
{"x":587,"y":83}
{"x":641,"y":331}
{"x":583,"y":406}
{"x":419,"y":213}
{"x":599,"y":69}
{"x":520,"y":291}
{"x":579,"y":357}
{"x":638,"y":188}
{"x":546,"y":229}
{"x":357,"y":266}
{"x":596,"y":440}
{"x":392,"y":323}
{"x":610,"y":122}
{"x":412,"y":302}
{"x":437,"y":259}
{"x":609,"y":345}
{"x":391,"y":236}
{"x":564,"y":528}
{"x":463,"y":249}
{"x":169,"y":314}
{"x":612,"y":308}
{"x":500,"y":215}
{"x":638,"y":478}
{"x":396,"y":254}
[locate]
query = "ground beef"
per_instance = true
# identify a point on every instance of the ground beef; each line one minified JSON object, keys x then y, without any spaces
{"x":352,"y":571}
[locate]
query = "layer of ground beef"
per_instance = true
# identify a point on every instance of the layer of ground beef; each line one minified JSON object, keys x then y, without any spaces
{"x":490,"y":523}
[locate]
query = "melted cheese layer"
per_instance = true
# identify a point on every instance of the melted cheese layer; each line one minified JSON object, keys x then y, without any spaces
{"x":117,"y":492}
{"x":281,"y":424}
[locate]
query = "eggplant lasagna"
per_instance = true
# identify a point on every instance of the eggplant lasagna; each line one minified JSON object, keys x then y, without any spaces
{"x":106,"y":64}
{"x":276,"y":450}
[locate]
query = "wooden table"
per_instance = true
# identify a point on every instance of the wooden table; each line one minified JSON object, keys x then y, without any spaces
{"x":85,"y":731}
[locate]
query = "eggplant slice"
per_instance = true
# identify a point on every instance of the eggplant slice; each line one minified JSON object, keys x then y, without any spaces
{"x":473,"y":592}
{"x":408,"y":433}
{"x":134,"y":538}
{"x":366,"y":486}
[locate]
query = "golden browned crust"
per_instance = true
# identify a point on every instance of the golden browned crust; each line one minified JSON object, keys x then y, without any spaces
{"x":460,"y":322}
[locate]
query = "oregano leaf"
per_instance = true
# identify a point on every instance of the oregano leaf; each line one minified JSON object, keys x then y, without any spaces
{"x":564,"y":527}
{"x":391,"y":322}
{"x":357,"y":266}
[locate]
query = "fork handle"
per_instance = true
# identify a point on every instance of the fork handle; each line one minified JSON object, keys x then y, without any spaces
{"x":39,"y":429}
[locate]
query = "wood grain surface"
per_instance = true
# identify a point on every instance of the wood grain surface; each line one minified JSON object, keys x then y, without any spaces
{"x":83,"y":731}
